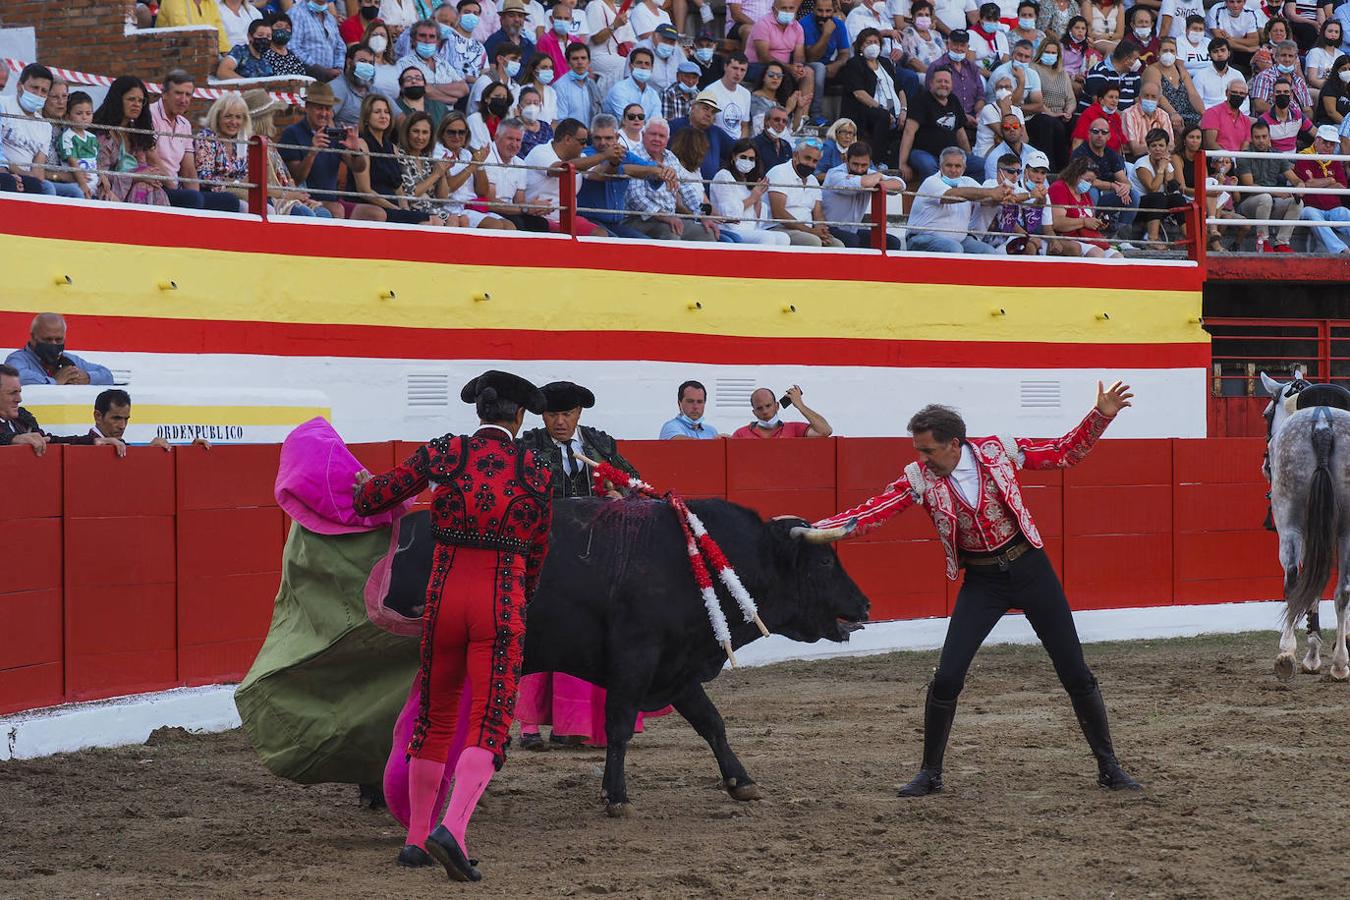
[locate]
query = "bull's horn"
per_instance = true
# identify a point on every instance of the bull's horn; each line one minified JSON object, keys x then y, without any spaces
{"x":823,"y":535}
{"x":1291,"y":404}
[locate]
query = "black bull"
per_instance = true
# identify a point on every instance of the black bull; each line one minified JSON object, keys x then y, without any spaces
{"x":617,"y":605}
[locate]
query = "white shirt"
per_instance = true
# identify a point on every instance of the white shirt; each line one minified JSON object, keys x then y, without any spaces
{"x":25,"y":137}
{"x":861,"y":17}
{"x":953,"y":12}
{"x":728,"y":196}
{"x":1251,"y":19}
{"x":236,"y":24}
{"x":1194,"y":57}
{"x":542,"y":188}
{"x":465,"y":192}
{"x":576,"y":448}
{"x":1320,"y":61}
{"x":800,"y":194}
{"x":1179,"y":10}
{"x":435,"y":70}
{"x":598,"y":18}
{"x":1213,"y":87}
{"x":735,"y":107}
{"x":505,"y":181}
{"x":989,"y":115}
{"x":484,"y":82}
{"x":966,"y":477}
{"x":644,"y":21}
{"x":398,"y":13}
{"x":928,"y":213}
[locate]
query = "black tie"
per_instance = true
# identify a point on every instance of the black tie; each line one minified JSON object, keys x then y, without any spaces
{"x":571,"y":459}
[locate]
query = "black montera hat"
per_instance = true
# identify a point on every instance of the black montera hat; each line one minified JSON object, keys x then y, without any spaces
{"x":560,"y":396}
{"x":507,"y":386}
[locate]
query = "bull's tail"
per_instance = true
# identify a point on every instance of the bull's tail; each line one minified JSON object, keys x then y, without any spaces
{"x":1319,"y":527}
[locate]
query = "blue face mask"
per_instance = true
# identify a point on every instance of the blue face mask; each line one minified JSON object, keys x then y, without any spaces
{"x":562,"y":26}
{"x":31,"y":102}
{"x":688,"y":421}
{"x":578,"y":76}
{"x":445,"y":30}
{"x":665,"y":50}
{"x":989,"y":27}
{"x":704,"y":55}
{"x":1285,"y":70}
{"x":1018,"y":64}
{"x":513,"y":68}
{"x":949,"y":181}
{"x":1026,"y":24}
{"x":1084,"y":186}
{"x":1149,"y":106}
{"x":426,"y":51}
{"x":687,"y":88}
{"x":642,"y":76}
{"x":364,"y":72}
{"x":784,"y":17}
{"x":468,"y":21}
{"x":955,"y":56}
{"x":1049,"y":59}
{"x":319,"y":6}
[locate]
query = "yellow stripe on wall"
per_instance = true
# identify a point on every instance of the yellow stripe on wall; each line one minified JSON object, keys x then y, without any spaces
{"x":123,"y":280}
{"x":164,"y":413}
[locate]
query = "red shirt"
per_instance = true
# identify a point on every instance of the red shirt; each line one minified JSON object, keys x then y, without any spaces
{"x":1305,"y":169}
{"x":787,"y":430}
{"x":353,"y":28}
{"x":1079,"y":207}
{"x":1092,"y":114}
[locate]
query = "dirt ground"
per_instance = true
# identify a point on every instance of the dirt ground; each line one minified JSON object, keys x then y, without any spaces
{"x":1245,"y":797}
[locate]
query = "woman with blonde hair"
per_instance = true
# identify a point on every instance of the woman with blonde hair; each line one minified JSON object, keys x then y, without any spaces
{"x":286,"y":199}
{"x":837,"y":140}
{"x":221,"y":147}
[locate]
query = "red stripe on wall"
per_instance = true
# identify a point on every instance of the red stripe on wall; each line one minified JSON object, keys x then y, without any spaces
{"x":148,"y":335}
{"x":278,"y":236}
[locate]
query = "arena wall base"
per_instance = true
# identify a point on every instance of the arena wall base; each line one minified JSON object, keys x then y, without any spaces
{"x":130,"y":719}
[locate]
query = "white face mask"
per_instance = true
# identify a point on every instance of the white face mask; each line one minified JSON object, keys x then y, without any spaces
{"x":1195,"y":37}
{"x":1344,"y":75}
{"x":1167,"y":58}
{"x":771,"y":424}
{"x":378,"y":44}
{"x":1002,"y":94}
{"x":872,"y":51}
{"x":775,"y":133}
{"x":530,"y":113}
{"x":744,"y":166}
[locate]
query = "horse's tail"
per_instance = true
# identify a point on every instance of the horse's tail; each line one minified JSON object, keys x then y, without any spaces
{"x":1319,"y":528}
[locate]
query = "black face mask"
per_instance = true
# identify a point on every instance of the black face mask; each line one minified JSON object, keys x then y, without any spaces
{"x":1282,"y":100}
{"x":499,"y":106}
{"x":1220,"y":64}
{"x":281,"y":38}
{"x":803,"y":170}
{"x":415,"y":91}
{"x":369,"y":12}
{"x":1236,"y":102}
{"x":49,"y":353}
{"x":260,"y":45}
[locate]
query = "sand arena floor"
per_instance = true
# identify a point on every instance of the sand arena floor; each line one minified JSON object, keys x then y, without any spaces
{"x":1245,"y":797}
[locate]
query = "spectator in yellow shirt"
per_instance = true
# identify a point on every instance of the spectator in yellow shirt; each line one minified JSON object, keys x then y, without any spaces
{"x":175,"y":13}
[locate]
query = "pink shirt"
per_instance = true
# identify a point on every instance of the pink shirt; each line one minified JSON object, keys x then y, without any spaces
{"x":1234,"y":130}
{"x":782,"y":41}
{"x":171,"y":150}
{"x":789,"y":430}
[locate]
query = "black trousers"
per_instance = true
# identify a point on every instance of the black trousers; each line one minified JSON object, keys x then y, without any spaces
{"x":1031,"y":585}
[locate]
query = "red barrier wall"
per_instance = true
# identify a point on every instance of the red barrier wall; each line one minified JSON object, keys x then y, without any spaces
{"x":159,"y":570}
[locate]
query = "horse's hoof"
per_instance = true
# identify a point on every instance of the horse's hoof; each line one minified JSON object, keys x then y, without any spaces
{"x":1340,"y":674}
{"x":1284,"y":666}
{"x":1310,"y":669}
{"x":744,"y":791}
{"x":618,"y":810}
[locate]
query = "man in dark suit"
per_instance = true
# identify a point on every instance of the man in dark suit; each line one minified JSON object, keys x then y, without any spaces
{"x":563,"y":439}
{"x":19,"y":426}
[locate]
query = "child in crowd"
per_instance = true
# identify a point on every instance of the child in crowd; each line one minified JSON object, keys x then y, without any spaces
{"x":79,"y":146}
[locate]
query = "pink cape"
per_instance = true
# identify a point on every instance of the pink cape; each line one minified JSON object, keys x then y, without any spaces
{"x":315,"y":479}
{"x":570,"y":705}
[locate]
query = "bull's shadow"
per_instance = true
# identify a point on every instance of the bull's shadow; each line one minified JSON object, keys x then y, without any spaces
{"x":617,"y":605}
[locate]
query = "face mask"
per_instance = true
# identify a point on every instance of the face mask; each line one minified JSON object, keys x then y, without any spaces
{"x":49,"y":353}
{"x":260,"y":45}
{"x":989,"y":27}
{"x":923,"y":23}
{"x":1282,"y":101}
{"x":378,"y":44}
{"x":769,"y":425}
{"x":530,"y":113}
{"x":1144,"y":34}
{"x":499,"y":106}
{"x":664,"y":51}
{"x":687,"y":88}
{"x":688,"y":421}
{"x":1002,"y":94}
{"x":318,"y":6}
{"x":872,"y":51}
{"x":744,"y":166}
{"x":545,"y":76}
{"x":777,"y":134}
{"x":369,"y":12}
{"x":562,"y":26}
{"x":426,"y":51}
{"x":803,"y":170}
{"x":1167,"y":58}
{"x":1134,"y":67}
{"x":1026,"y":24}
{"x":577,"y":76}
{"x":1236,"y":102}
{"x":1148,"y":106}
{"x":1109,"y":110}
{"x":445,"y":31}
{"x":1344,"y":75}
{"x":415,"y":91}
{"x":31,"y":102}
{"x":1284,"y":70}
{"x":364,"y":72}
{"x":281,"y":38}
{"x":949,"y":181}
{"x":1084,"y":185}
{"x":1195,"y":37}
{"x":1220,"y":64}
{"x":513,"y":68}
{"x":953,"y":55}
{"x":784,"y":17}
{"x":704,"y":55}
{"x":642,"y":76}
{"x":468,"y":21}
{"x":1049,"y":59}
{"x":1018,"y":64}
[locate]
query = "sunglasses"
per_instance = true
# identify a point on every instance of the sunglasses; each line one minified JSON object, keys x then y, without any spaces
{"x":459,"y":131}
{"x":773,"y":74}
{"x":635,"y":117}
{"x":1010,"y":171}
{"x":1099,"y":130}
{"x":1012,"y":127}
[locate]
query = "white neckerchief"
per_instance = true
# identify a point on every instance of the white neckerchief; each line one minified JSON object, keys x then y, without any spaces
{"x":966,"y":477}
{"x":505,"y":431}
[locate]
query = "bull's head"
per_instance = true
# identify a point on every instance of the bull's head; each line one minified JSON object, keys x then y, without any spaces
{"x":812,"y":596}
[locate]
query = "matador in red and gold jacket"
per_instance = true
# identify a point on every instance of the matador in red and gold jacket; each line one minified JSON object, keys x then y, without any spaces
{"x":491,"y":508}
{"x":969,"y":488}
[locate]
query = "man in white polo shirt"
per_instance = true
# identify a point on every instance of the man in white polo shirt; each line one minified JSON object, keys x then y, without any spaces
{"x":542,"y":185}
{"x":795,"y":198}
{"x":939,"y":220}
{"x":507,"y":178}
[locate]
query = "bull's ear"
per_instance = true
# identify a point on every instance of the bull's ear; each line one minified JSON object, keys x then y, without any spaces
{"x":1272,"y":386}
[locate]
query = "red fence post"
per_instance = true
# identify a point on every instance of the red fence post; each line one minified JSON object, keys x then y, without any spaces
{"x":257,"y":176}
{"x":879,"y":219}
{"x":567,"y":200}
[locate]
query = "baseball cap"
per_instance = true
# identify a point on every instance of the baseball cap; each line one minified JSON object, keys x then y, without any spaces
{"x":1037,"y":160}
{"x":668,"y":31}
{"x":706,"y":36}
{"x":709,"y":98}
{"x":1329,"y":133}
{"x":689,"y":68}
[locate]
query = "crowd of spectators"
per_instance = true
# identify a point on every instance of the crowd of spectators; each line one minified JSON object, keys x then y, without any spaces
{"x":1025,"y":126}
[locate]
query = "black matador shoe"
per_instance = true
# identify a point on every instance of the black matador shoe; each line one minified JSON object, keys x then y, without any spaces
{"x":443,"y":847}
{"x":412,"y":857}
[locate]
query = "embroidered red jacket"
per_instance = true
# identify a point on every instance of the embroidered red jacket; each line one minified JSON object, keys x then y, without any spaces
{"x":489,"y":492}
{"x":999,"y":459}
